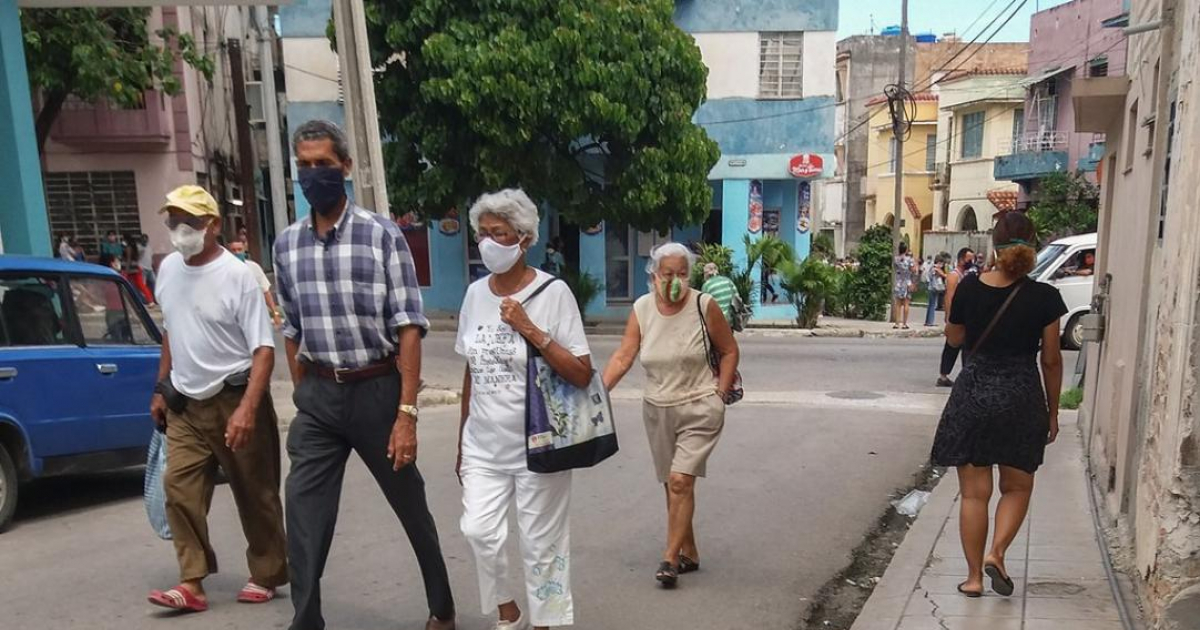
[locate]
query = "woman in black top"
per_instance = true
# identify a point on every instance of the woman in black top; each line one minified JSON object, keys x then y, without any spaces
{"x":1001,"y":412}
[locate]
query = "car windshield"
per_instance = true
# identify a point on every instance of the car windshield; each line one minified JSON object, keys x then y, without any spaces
{"x":1048,"y":256}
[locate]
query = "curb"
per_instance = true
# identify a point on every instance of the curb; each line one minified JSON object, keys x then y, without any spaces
{"x":885,"y":607}
{"x":845,"y":333}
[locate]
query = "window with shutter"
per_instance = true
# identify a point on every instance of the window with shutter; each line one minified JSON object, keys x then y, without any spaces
{"x":931,"y":152}
{"x":780,"y":67}
{"x":972,"y":135}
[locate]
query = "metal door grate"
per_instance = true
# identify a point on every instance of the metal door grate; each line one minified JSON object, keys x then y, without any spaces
{"x":88,"y":204}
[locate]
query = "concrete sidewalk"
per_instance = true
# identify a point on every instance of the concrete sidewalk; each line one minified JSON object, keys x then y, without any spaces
{"x":1056,"y":562}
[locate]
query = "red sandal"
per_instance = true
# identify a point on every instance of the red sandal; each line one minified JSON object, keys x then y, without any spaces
{"x":255,"y":594}
{"x":178,"y":598}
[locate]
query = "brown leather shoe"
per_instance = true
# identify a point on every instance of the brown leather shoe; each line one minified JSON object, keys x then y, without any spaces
{"x":437,"y":624}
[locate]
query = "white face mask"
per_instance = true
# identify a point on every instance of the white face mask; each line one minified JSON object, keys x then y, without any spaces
{"x":499,"y":258}
{"x":187,"y":240}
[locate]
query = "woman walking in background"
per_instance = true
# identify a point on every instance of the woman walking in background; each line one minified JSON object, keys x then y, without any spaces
{"x":672,"y":329}
{"x":906,"y":271}
{"x":1002,"y":412}
{"x":937,"y":288}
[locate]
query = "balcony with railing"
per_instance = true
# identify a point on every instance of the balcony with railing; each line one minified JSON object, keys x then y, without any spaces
{"x":1031,"y":156}
{"x":105,"y":123}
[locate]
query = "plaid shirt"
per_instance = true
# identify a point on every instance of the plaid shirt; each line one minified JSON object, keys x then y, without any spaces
{"x":345,"y":296}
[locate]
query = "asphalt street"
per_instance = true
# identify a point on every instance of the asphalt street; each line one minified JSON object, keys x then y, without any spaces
{"x":830,"y":429}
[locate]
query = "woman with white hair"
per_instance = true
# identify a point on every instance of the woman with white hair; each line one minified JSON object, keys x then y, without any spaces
{"x":502,"y":315}
{"x":672,"y":329}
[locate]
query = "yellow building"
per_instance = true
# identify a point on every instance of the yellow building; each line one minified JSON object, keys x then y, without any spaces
{"x":920,"y":160}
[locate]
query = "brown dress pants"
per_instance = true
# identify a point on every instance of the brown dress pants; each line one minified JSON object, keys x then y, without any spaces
{"x":195,"y":448}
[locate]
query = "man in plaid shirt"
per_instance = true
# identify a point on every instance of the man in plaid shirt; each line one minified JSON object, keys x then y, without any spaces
{"x":353,"y":328}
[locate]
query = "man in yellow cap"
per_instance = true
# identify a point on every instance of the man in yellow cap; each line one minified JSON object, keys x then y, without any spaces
{"x":214,"y":403}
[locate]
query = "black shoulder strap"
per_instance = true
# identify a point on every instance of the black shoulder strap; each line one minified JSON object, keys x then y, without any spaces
{"x":538,"y":291}
{"x":996,"y":318}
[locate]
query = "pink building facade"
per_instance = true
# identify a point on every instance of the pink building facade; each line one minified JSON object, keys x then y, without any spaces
{"x":1067,"y":43}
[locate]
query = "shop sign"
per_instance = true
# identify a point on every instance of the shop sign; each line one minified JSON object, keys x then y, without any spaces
{"x":806,"y":165}
{"x":804,"y":208}
{"x":756,"y":207}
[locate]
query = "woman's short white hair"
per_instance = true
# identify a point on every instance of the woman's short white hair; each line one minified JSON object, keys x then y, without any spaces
{"x":669,"y":250}
{"x":512,"y":206}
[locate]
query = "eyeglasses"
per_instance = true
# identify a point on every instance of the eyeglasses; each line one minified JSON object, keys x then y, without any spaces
{"x":194,"y":222}
{"x":500,"y":236}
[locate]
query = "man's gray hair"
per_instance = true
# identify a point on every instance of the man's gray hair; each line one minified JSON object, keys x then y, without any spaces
{"x":512,"y":206}
{"x":669,"y":250}
{"x":323,"y":130}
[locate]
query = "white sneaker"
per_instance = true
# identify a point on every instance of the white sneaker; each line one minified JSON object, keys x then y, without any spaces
{"x":519,"y":624}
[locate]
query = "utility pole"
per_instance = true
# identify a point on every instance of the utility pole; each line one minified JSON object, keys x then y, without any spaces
{"x":362,"y":116}
{"x":899,"y":132}
{"x":241,"y":117}
{"x":266,"y":56}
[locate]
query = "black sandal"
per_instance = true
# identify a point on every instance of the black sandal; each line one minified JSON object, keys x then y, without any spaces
{"x":687,"y":565}
{"x":971,"y":594}
{"x":1001,"y":583}
{"x":667,"y":574}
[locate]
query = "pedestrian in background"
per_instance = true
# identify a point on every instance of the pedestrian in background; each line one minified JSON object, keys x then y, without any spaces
{"x":964,"y":266}
{"x":502,"y":315}
{"x":238,"y":249}
{"x":1002,"y":411}
{"x":937,"y":288}
{"x":145,"y":261}
{"x":684,"y":408}
{"x":722,"y":290}
{"x":555,"y":263}
{"x":113,"y":246}
{"x":133,"y":271}
{"x":906,"y":272}
{"x":353,"y":327}
{"x":65,"y":251}
{"x":213,"y":400}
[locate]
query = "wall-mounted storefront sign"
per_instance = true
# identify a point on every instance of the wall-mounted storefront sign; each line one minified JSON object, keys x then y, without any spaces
{"x":806,"y":165}
{"x":756,"y":207}
{"x":595,"y":229}
{"x":450,"y":225}
{"x":804,"y":208}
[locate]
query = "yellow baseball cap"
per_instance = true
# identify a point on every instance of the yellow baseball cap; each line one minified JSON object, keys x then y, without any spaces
{"x":193,"y":200}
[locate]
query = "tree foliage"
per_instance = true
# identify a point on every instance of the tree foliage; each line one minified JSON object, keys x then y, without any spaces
{"x":809,"y":284}
{"x":1065,"y":204}
{"x":586,"y":104}
{"x":866,"y":290}
{"x":96,"y":53}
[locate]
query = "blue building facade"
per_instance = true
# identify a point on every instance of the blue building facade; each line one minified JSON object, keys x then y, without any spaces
{"x":770,"y":107}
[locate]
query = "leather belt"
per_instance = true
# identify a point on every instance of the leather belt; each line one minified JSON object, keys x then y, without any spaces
{"x":353,"y":375}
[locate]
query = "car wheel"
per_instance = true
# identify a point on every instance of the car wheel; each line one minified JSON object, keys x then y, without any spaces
{"x":8,"y":488}
{"x":1073,"y":335}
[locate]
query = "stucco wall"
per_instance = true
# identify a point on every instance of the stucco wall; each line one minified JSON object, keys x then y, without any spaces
{"x":311,"y":72}
{"x":916,"y":179}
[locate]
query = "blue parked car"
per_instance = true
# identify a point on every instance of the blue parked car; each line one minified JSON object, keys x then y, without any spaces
{"x":78,"y":362}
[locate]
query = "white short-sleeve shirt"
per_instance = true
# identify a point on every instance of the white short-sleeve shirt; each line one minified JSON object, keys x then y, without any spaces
{"x":215,"y":318}
{"x":497,"y":356}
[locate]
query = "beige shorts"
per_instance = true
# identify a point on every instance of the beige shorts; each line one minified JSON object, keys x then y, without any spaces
{"x":682,"y":437}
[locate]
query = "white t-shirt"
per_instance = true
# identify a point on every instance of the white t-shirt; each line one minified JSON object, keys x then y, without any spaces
{"x":215,"y":319}
{"x":497,"y":356}
{"x":146,"y":257}
{"x":260,"y":276}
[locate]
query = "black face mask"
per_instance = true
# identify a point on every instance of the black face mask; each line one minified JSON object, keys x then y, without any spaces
{"x":324,"y":187}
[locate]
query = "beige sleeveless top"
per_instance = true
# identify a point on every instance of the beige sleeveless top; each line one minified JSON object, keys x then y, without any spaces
{"x":672,"y":352}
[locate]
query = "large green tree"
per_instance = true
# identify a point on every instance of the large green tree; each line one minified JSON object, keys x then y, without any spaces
{"x":587,"y":104}
{"x":1065,"y":204}
{"x":98,"y":54}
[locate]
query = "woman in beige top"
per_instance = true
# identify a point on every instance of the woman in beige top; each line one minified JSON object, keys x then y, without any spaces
{"x":684,"y":405}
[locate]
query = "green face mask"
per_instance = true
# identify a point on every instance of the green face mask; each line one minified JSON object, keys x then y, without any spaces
{"x":671,"y":291}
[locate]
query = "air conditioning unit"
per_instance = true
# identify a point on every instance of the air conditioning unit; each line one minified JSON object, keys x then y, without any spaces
{"x":254,"y":102}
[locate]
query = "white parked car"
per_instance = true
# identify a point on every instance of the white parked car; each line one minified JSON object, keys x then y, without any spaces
{"x":1070,"y":265}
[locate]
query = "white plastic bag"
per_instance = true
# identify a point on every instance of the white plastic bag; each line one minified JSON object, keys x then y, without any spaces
{"x":153,"y":493}
{"x":912,"y":503}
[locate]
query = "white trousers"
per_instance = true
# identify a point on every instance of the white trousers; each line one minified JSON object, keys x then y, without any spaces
{"x":543,"y":504}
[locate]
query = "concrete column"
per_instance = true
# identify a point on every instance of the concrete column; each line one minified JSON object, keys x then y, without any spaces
{"x":24,"y":227}
{"x":591,"y":260}
{"x":735,"y":216}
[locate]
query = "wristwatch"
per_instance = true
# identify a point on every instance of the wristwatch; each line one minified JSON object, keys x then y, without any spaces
{"x":410,"y":410}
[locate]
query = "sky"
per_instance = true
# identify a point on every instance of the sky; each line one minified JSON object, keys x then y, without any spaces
{"x":941,"y":16}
